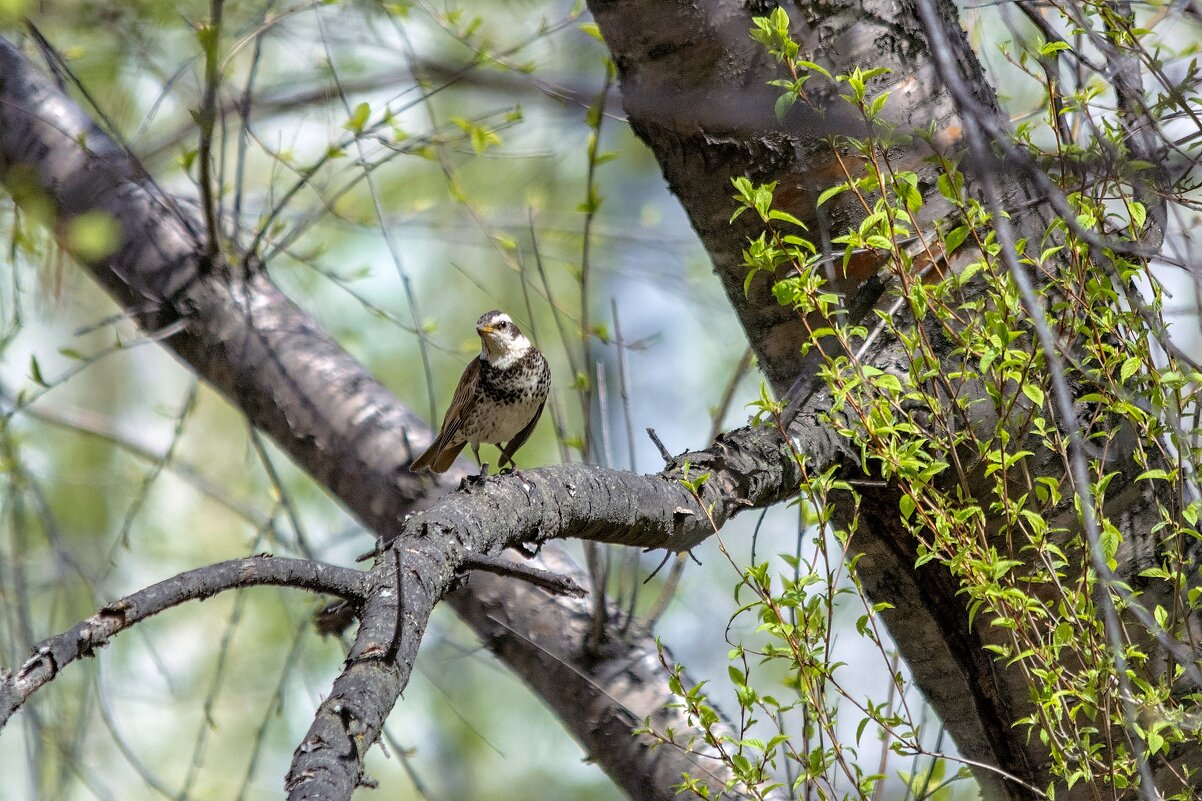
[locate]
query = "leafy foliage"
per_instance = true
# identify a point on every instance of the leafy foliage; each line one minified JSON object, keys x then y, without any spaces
{"x":964,"y":422}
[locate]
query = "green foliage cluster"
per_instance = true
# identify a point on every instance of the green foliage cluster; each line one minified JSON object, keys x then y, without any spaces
{"x":965,"y":425}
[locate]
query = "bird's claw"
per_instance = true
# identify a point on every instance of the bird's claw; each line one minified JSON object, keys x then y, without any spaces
{"x":474,"y":479}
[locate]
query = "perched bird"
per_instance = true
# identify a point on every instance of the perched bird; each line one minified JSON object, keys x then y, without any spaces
{"x":500,"y":396}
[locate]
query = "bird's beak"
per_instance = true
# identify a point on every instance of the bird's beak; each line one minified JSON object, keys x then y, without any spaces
{"x":484,"y":329}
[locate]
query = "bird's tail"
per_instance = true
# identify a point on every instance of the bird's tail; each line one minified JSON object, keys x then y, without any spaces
{"x":437,"y":457}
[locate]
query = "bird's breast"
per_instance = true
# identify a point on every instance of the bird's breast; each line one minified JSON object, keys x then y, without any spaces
{"x":508,"y":399}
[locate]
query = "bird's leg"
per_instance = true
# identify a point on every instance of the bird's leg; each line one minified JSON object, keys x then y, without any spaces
{"x":483,"y":465}
{"x":507,"y":463}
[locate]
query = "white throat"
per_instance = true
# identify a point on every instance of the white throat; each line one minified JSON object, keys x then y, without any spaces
{"x":503,"y":355}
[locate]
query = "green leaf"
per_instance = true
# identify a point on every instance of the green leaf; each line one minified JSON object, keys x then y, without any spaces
{"x":592,"y":29}
{"x":783,"y":104}
{"x":358,"y":118}
{"x":830,"y":192}
{"x":784,"y":216}
{"x":93,"y":235}
{"x":955,"y":238}
{"x":1130,"y":367}
{"x":1035,"y":393}
{"x":13,"y":11}
{"x":878,"y":102}
{"x":35,"y":372}
{"x":1053,"y":47}
{"x":187,"y":158}
{"x":810,"y":65}
{"x":1139,"y":214}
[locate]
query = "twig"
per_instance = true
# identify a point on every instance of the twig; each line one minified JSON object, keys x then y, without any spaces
{"x":728,"y":393}
{"x":551,"y":582}
{"x":208,"y":115}
{"x":394,"y":252}
{"x":663,"y":452}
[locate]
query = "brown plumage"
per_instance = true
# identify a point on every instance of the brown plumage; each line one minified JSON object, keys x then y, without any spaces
{"x":500,"y":397}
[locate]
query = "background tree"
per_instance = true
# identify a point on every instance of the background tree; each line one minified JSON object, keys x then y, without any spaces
{"x":979,"y":404}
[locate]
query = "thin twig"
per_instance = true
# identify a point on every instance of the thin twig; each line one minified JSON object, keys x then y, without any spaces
{"x":394,"y":251}
{"x":211,"y":39}
{"x":664,"y":453}
{"x":551,"y":582}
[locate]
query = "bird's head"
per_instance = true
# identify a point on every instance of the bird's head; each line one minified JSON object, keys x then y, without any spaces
{"x":501,"y":342}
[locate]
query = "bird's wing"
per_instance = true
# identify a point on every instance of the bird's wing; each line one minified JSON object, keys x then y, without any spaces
{"x":519,"y":439}
{"x":451,"y":422}
{"x":461,"y":403}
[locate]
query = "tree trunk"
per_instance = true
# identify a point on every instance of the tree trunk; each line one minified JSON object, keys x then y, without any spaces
{"x":695,"y":88}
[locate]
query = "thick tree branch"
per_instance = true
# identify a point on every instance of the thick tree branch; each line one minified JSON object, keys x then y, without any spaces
{"x":407,"y":582}
{"x":53,"y":654}
{"x":747,"y":468}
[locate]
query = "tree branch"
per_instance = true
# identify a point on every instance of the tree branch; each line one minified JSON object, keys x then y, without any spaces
{"x":554,"y":583}
{"x":747,"y":468}
{"x":53,"y":654}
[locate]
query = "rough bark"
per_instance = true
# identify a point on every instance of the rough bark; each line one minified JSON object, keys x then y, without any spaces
{"x":695,"y":88}
{"x":747,"y":468}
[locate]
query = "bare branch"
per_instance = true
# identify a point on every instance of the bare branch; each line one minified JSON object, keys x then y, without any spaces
{"x":544,"y":579}
{"x":53,"y":654}
{"x":747,"y":468}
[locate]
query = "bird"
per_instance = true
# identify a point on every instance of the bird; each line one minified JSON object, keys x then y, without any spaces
{"x":499,"y":398}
